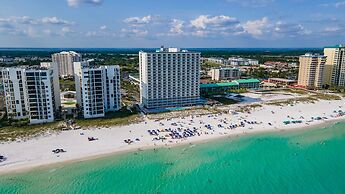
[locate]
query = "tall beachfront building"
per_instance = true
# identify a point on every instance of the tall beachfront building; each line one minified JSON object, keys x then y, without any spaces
{"x":311,"y":70}
{"x":169,"y":78}
{"x":334,"y":74}
{"x":65,"y":62}
{"x":32,"y":93}
{"x":97,"y":88}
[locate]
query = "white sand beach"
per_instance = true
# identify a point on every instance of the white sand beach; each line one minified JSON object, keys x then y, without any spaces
{"x":38,"y":151}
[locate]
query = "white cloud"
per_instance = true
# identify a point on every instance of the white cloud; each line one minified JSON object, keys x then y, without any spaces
{"x":205,"y":25}
{"x":76,"y":3}
{"x":55,"y":20}
{"x":176,"y":27}
{"x":19,"y":20}
{"x":31,"y":21}
{"x":151,"y":27}
{"x":140,"y":21}
{"x":204,"y":21}
{"x":256,"y":27}
{"x":336,"y":4}
{"x":201,"y":33}
{"x":66,"y":30}
{"x":252,"y":3}
{"x":102,"y":32}
{"x":290,"y":29}
{"x":91,"y":33}
{"x":23,"y":20}
{"x":48,"y":32}
{"x":31,"y":32}
{"x":339,"y":4}
{"x":4,"y":26}
{"x":332,"y":29}
{"x":338,"y":30}
{"x":134,"y":32}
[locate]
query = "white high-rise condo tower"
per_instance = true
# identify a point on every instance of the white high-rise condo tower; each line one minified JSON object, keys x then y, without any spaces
{"x":32,"y":93}
{"x":65,"y":62}
{"x":169,"y":78}
{"x":97,"y":88}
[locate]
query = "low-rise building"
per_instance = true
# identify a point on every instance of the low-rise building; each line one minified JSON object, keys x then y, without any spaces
{"x":221,"y":87}
{"x":7,"y":60}
{"x":282,"y":81}
{"x":242,"y":62}
{"x":135,"y":78}
{"x":226,"y":73}
{"x":218,"y":60}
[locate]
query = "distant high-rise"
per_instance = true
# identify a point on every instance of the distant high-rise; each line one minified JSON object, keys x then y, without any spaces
{"x":32,"y":93}
{"x":97,"y":88}
{"x":334,"y":74}
{"x":311,"y":70}
{"x":65,"y":62}
{"x":169,"y":77}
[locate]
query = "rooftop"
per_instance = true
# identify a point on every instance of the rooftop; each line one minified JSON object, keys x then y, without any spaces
{"x":27,"y":68}
{"x":68,"y":52}
{"x":246,"y":81}
{"x":229,"y":84}
{"x":313,"y":55}
{"x":225,"y":68}
{"x":282,"y":79}
{"x":169,"y":50}
{"x":336,"y":46}
{"x":221,"y":84}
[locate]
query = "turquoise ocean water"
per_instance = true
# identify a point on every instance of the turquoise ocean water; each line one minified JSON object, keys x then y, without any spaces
{"x":309,"y":161}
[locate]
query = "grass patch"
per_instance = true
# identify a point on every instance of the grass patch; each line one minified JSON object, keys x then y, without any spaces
{"x":224,"y":100}
{"x":254,"y":106}
{"x":208,"y":64}
{"x":123,"y":117}
{"x":132,"y":92}
{"x":67,"y":84}
{"x":326,"y":96}
{"x":295,"y":91}
{"x":239,"y":91}
{"x":248,"y":108}
{"x":287,"y":90}
{"x":12,"y":133}
{"x":69,"y":103}
{"x":293,"y":101}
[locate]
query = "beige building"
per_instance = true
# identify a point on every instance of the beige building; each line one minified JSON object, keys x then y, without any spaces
{"x":228,"y":73}
{"x":334,"y":73}
{"x":65,"y":62}
{"x":311,"y":70}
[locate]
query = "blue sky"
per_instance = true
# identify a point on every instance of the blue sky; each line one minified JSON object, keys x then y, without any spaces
{"x":181,"y":23}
